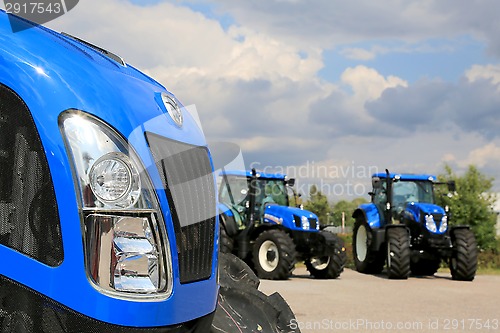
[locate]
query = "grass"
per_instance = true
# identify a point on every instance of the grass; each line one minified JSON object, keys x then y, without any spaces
{"x":488,"y":261}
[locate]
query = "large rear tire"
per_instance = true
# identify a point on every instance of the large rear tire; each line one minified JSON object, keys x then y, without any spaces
{"x":366,"y":260}
{"x":274,"y":255}
{"x":328,"y":267}
{"x":398,"y":253}
{"x":463,"y":262}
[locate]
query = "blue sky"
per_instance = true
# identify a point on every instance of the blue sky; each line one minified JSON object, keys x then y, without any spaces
{"x":314,"y":84}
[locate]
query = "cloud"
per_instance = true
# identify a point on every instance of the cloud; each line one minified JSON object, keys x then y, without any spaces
{"x":483,"y":156}
{"x":486,"y":72}
{"x":326,"y":23}
{"x":343,"y":113}
{"x":434,"y":105}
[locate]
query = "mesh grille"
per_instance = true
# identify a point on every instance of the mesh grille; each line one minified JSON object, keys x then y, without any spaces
{"x":186,"y":174}
{"x":24,"y":310}
{"x":29,"y":220}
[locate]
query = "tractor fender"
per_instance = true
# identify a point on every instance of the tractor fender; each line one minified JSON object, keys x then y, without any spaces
{"x":370,"y":214}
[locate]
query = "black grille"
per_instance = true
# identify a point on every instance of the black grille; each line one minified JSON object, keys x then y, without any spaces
{"x":298,"y":223}
{"x":24,"y":310}
{"x":186,"y":174}
{"x":29,"y":219}
{"x":312,"y":222}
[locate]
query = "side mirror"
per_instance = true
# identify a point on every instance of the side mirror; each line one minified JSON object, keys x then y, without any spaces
{"x":376,"y":183}
{"x":452,"y":187}
{"x":290,"y":182}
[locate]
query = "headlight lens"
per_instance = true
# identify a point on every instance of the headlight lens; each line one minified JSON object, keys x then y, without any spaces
{"x":444,"y":224}
{"x":430,"y":224}
{"x":114,"y":180}
{"x":305,"y":223}
{"x":126,"y":248}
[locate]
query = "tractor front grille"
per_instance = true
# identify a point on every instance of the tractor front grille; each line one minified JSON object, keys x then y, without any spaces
{"x":29,"y":219}
{"x":186,"y":174}
{"x":313,"y":222}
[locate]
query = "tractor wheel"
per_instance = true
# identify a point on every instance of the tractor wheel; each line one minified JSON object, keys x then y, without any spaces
{"x":424,"y":267}
{"x":328,"y":267}
{"x":398,"y":253}
{"x":366,"y":260}
{"x":463,"y":263}
{"x":225,"y":242}
{"x":274,"y":255}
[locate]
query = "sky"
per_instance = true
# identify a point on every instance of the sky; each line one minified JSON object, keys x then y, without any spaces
{"x":328,"y":91}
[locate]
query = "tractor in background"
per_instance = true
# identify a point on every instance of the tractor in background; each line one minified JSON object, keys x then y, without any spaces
{"x":258,"y":225}
{"x":405,"y":228}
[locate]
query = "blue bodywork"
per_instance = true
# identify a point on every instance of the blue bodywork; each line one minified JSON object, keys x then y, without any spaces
{"x":372,"y":215}
{"x":406,"y":176}
{"x":53,"y":73}
{"x":285,"y":216}
{"x":415,"y":210}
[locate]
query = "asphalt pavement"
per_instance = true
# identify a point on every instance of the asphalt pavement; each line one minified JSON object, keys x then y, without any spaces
{"x":371,"y":303}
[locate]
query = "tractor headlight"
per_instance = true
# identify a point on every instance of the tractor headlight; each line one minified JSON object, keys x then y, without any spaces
{"x":126,"y":248}
{"x":444,"y":224}
{"x":114,"y":180}
{"x":305,"y":223}
{"x":430,"y":224}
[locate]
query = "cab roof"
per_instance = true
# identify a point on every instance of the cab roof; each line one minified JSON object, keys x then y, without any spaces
{"x":248,"y":173}
{"x":406,"y":176}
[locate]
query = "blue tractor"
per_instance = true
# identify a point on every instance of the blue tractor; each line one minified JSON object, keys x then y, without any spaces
{"x":258,"y":225}
{"x":405,"y":228}
{"x":103,"y":223}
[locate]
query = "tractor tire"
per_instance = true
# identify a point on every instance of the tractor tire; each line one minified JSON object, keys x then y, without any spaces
{"x":225,"y":242}
{"x":366,"y":260}
{"x":424,"y":267}
{"x":274,"y":255}
{"x":398,"y":253}
{"x":463,"y":262}
{"x":241,"y":307}
{"x":328,"y":267}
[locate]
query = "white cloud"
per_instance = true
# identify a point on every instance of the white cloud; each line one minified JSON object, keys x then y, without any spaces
{"x":488,"y":154}
{"x":485,"y":72}
{"x":368,"y":84}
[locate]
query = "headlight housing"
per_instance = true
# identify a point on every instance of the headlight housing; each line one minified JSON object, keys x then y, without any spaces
{"x":429,"y":223}
{"x":444,"y":224}
{"x":305,"y":223}
{"x":126,"y":248}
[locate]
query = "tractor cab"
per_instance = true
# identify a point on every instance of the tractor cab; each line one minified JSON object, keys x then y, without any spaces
{"x":405,"y":190}
{"x":270,"y":189}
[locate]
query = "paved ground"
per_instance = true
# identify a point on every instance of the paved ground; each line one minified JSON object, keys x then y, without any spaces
{"x":363,"y":303}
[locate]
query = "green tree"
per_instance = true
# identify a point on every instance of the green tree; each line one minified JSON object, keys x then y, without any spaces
{"x":346,"y":207}
{"x":472,"y":204}
{"x":318,"y":204}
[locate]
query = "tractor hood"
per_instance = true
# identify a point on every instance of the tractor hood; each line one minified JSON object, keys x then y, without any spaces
{"x":291,"y":217}
{"x":432,"y":216}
